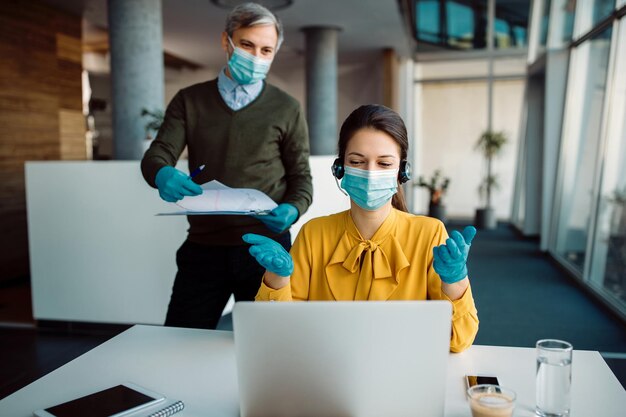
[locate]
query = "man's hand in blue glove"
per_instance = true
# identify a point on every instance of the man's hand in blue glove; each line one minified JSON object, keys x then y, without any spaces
{"x":269,"y":254}
{"x":450,"y":258}
{"x":174,"y":184}
{"x":279,"y":219}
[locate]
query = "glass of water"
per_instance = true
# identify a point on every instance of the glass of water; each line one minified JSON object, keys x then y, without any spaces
{"x":554,"y":378}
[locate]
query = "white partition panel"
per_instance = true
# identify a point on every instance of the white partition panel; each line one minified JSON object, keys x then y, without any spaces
{"x":98,"y":252}
{"x":327,"y":198}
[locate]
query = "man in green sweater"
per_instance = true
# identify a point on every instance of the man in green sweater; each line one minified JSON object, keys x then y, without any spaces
{"x":248,"y":134}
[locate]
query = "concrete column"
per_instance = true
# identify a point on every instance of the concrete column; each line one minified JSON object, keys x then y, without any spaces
{"x":137,"y":82}
{"x":321,"y":88}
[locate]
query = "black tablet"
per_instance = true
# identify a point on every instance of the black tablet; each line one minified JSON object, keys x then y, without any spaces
{"x":117,"y":401}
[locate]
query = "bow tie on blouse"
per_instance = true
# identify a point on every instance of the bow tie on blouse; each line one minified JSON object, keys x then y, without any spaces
{"x":366,"y":269}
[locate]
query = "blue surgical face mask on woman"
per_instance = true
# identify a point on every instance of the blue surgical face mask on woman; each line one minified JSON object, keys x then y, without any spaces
{"x":246,"y":68}
{"x":370,"y":190}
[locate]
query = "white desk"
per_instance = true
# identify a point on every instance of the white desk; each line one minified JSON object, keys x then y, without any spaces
{"x":198,"y":367}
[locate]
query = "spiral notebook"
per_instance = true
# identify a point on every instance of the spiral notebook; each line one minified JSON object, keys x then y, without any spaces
{"x":171,"y":407}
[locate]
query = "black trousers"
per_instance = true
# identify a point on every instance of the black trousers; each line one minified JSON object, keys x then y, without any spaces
{"x":207,"y":276}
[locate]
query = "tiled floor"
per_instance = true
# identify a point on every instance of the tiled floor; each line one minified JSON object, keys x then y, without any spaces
{"x":15,"y":303}
{"x":27,"y":354}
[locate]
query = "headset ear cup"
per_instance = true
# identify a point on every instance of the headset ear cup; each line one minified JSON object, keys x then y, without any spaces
{"x":404,"y":174}
{"x":337,"y":169}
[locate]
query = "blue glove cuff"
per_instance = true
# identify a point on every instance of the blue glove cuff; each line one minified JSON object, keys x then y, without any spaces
{"x":452,"y":278}
{"x":163,"y":175}
{"x":281,"y":218}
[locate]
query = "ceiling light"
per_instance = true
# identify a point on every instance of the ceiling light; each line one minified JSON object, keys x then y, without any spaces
{"x":270,"y":4}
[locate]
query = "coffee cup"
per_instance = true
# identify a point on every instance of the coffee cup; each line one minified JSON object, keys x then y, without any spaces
{"x":491,"y":401}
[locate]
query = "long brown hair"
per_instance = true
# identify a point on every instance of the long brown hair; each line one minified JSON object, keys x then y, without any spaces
{"x":383,"y":119}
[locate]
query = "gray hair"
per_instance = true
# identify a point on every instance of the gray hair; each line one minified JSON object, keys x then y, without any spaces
{"x":253,"y":14}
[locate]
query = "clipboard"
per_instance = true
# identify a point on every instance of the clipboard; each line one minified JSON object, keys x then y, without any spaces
{"x":218,"y":199}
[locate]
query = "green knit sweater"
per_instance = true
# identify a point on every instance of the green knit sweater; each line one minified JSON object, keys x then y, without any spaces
{"x":264,"y":146}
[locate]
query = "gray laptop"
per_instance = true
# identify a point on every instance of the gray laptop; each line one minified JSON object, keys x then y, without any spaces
{"x":342,"y":359}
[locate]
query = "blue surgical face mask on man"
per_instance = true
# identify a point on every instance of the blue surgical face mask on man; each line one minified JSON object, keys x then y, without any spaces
{"x":370,"y":190}
{"x":246,"y":68}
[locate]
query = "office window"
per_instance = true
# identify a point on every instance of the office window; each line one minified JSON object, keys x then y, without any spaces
{"x":587,"y":84}
{"x":545,"y":23}
{"x":613,"y":237}
{"x":591,"y":12}
{"x":518,"y":209}
{"x":428,"y":21}
{"x":451,"y":113}
{"x":462,"y":24}
{"x":608,"y":270}
{"x":602,"y":9}
{"x":563,"y":12}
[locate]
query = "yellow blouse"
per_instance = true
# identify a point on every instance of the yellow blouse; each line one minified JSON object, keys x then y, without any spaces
{"x":332,"y":261}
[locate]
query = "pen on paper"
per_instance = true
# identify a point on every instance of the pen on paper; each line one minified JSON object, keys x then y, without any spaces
{"x":196,"y":171}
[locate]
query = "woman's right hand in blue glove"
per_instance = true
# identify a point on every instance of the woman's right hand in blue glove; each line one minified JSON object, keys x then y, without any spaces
{"x":173,"y":184}
{"x":269,"y":254}
{"x":450,"y":258}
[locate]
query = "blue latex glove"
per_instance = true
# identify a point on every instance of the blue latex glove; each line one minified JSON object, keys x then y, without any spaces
{"x":450,"y":259}
{"x":174,"y":184}
{"x":279,"y":219}
{"x":270,"y":254}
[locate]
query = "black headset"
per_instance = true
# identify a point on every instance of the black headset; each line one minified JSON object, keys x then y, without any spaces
{"x":404,"y":173}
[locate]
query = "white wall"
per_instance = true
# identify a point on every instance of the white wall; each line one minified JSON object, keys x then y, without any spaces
{"x":98,"y":252}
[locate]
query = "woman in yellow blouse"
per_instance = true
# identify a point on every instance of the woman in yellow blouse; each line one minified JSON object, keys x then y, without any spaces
{"x":376,"y":250}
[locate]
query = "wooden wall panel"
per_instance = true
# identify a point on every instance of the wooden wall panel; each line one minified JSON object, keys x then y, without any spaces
{"x":69,"y":48}
{"x":40,"y":110}
{"x":390,"y":75}
{"x":72,"y":132}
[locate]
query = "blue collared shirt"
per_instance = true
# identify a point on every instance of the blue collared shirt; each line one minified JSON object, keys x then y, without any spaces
{"x":237,"y":96}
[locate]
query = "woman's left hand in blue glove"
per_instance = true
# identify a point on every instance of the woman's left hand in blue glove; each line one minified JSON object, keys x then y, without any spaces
{"x":269,"y":254}
{"x":450,"y":259}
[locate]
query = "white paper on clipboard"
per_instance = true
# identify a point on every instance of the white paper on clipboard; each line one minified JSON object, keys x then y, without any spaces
{"x":217,"y":198}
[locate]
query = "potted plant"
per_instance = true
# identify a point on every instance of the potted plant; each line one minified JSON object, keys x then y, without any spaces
{"x":437,"y":186}
{"x":155,"y":120}
{"x":490,"y":144}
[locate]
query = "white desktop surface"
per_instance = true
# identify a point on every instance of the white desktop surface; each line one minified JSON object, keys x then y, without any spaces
{"x":198,"y":367}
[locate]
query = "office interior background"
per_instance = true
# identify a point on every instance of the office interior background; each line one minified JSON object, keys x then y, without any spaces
{"x":549,"y":74}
